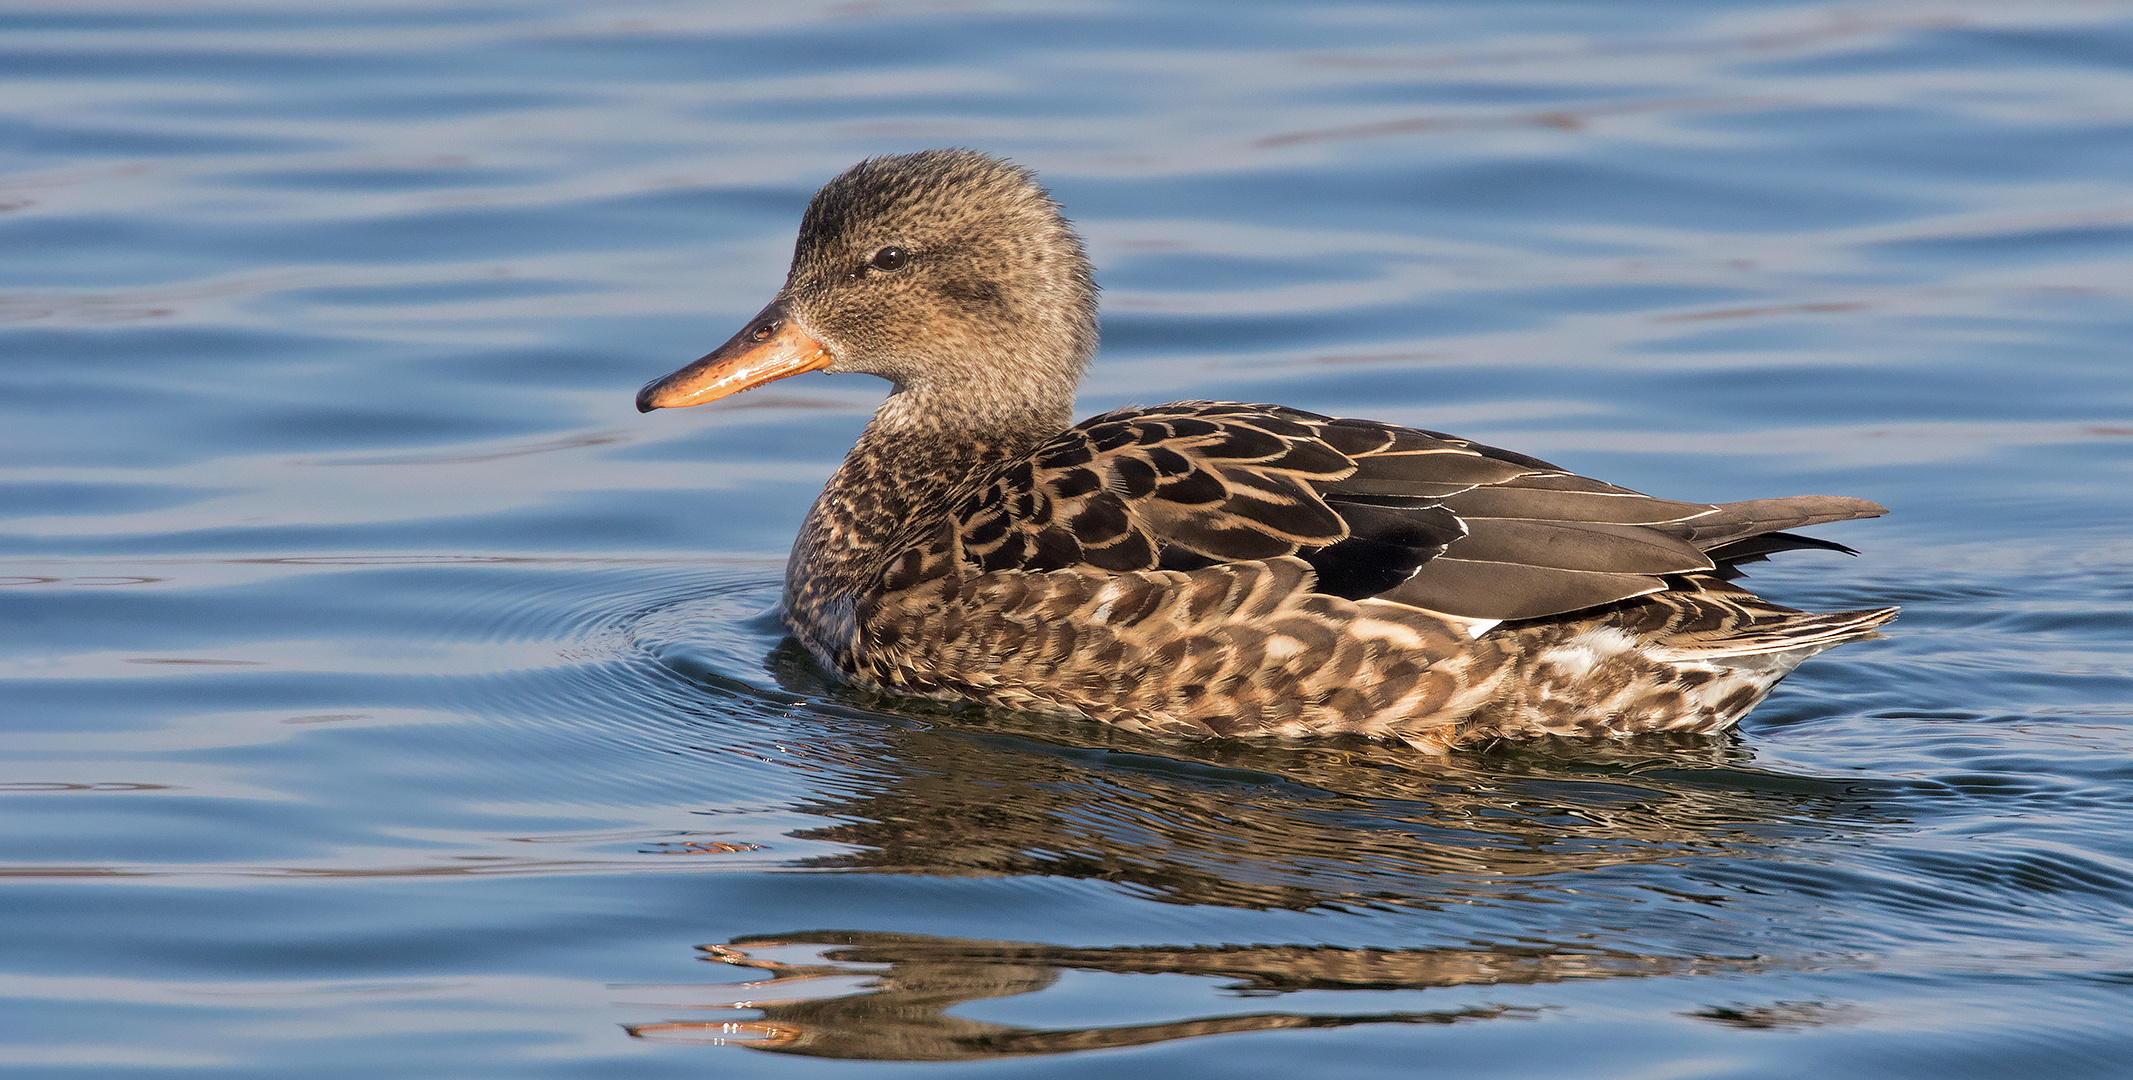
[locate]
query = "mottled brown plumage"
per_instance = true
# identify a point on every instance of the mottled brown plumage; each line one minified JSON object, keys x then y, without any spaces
{"x":1214,"y":568}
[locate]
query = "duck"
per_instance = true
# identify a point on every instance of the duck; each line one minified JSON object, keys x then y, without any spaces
{"x":1214,"y":569}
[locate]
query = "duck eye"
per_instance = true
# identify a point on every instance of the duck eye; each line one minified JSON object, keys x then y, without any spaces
{"x":890,"y":258}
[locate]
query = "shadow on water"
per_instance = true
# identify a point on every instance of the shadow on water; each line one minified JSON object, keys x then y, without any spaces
{"x":906,"y":983}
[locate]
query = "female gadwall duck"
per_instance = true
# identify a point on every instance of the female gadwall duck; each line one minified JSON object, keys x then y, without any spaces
{"x":1209,"y":567}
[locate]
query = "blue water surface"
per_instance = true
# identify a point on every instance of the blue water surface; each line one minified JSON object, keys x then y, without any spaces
{"x":381,"y":695}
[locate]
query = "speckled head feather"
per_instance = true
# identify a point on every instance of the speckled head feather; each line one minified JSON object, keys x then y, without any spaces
{"x":992,"y":312}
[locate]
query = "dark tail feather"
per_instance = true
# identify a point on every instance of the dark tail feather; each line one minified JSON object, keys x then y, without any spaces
{"x":1755,"y":549}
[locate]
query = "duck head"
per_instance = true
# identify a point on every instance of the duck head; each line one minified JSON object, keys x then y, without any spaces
{"x":949,"y":273}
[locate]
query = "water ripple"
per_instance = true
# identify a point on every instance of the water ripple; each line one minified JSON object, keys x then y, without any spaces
{"x":379,"y":685}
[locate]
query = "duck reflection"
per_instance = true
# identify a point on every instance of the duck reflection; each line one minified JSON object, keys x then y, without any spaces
{"x":1318,"y":825}
{"x":911,"y":788}
{"x":883,"y":996}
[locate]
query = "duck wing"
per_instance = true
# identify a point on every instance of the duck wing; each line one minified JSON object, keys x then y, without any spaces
{"x":1415,"y":517}
{"x":1139,"y":489}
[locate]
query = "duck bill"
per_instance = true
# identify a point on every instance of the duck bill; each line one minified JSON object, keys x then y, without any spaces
{"x":772,"y":347}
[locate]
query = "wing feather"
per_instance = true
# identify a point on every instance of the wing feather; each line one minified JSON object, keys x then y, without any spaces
{"x":1414,"y":517}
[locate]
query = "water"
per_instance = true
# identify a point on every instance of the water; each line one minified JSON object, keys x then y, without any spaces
{"x":383,"y":696}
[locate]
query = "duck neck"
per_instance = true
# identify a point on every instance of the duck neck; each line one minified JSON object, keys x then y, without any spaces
{"x":917,"y":457}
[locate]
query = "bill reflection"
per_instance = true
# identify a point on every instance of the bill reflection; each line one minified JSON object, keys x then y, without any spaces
{"x":883,"y":996}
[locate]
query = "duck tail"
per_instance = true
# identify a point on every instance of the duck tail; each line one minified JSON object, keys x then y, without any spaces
{"x":1738,"y":521}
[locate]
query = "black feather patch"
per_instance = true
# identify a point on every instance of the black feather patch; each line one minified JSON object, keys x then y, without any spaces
{"x":1383,"y":548}
{"x":1356,"y":568}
